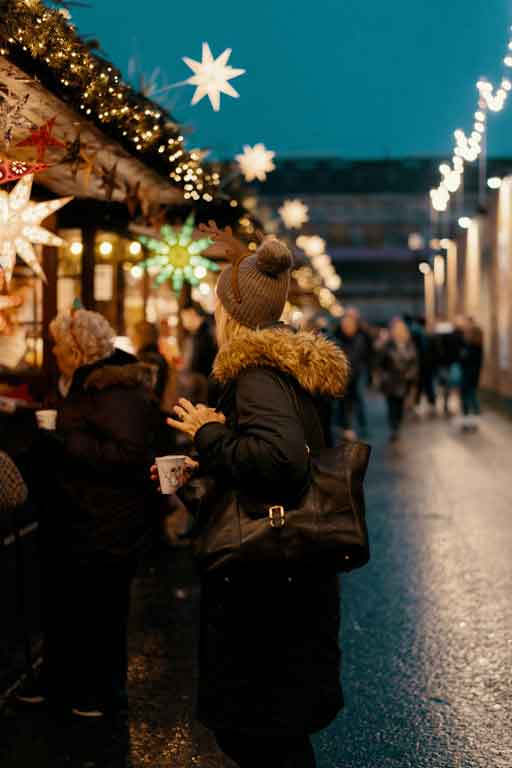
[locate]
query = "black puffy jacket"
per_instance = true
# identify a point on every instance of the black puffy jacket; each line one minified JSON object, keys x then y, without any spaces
{"x":96,"y":493}
{"x":269,"y":645}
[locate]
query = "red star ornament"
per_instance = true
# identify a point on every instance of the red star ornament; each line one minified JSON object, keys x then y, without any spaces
{"x":10,"y":170}
{"x":42,"y":138}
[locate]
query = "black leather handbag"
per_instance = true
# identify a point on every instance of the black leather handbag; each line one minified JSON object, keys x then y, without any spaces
{"x":325,"y":527}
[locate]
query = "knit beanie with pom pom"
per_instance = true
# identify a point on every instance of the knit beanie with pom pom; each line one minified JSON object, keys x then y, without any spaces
{"x":263,"y":281}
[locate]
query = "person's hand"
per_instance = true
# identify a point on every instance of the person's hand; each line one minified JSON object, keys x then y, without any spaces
{"x":193,"y":417}
{"x":190,"y":468}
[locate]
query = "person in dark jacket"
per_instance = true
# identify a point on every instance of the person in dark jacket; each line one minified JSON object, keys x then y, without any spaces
{"x":471,"y":359}
{"x":145,"y":340}
{"x":426,"y":362}
{"x":398,"y":373}
{"x":97,"y":514}
{"x":448,"y":345}
{"x":269,"y":659}
{"x":198,"y":353}
{"x":355,"y":346}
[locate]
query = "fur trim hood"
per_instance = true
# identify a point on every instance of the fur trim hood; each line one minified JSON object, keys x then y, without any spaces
{"x":318,"y":365}
{"x":126,"y":376}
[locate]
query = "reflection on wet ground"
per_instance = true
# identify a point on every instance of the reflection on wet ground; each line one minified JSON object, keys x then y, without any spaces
{"x":427,"y":634}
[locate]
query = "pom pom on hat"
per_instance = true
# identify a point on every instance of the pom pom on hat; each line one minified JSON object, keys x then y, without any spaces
{"x":273,"y":257}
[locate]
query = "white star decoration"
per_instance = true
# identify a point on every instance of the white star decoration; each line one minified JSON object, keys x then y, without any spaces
{"x":294,"y":214}
{"x":211,"y":76}
{"x":20,"y":229}
{"x":256,"y":162}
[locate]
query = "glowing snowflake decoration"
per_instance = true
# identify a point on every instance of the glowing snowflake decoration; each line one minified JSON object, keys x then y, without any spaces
{"x":256,"y":162}
{"x":20,"y":229}
{"x":294,"y":214}
{"x":177,"y":256}
{"x":211,"y":77}
{"x":312,"y":245}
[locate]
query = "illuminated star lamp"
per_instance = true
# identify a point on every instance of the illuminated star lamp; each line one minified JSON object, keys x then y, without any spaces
{"x":312,"y":245}
{"x":294,"y":214}
{"x":178,"y":256}
{"x":20,"y":226}
{"x":255,"y":162}
{"x":211,"y":77}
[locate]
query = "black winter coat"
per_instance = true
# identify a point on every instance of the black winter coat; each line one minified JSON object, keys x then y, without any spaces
{"x":269,"y":645}
{"x":98,"y":499}
{"x":471,"y":360}
{"x":398,"y":368}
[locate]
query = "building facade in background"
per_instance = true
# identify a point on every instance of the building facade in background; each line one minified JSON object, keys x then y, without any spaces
{"x":367,"y":212}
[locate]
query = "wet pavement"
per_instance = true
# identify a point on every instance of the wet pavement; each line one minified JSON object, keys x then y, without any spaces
{"x":427,"y":629}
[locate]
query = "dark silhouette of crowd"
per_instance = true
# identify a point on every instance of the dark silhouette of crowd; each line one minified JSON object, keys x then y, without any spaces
{"x":419,"y":371}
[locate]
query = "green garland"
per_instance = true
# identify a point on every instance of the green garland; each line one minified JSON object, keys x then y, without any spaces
{"x":41,"y":41}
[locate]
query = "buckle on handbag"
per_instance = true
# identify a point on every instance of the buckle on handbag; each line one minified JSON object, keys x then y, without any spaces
{"x":276,"y":516}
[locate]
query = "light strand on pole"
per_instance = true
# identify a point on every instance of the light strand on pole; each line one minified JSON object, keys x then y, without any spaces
{"x":469,"y":148}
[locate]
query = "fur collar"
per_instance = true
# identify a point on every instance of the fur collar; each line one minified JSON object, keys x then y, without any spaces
{"x":318,"y":365}
{"x":125,"y":376}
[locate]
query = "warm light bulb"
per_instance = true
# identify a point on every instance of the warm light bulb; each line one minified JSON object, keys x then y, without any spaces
{"x":135,"y":248}
{"x":106,"y":248}
{"x":200,"y":272}
{"x":76,"y":248}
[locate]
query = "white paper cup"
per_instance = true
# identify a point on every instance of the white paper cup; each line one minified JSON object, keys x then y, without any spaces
{"x":171,"y":472}
{"x":46,"y":419}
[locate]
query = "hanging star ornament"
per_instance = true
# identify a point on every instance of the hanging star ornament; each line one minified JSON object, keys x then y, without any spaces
{"x":11,"y":115}
{"x":12,"y":170}
{"x":73,"y":154}
{"x":87,"y":167}
{"x":177,"y":256}
{"x":42,"y":138}
{"x":256,"y":162}
{"x":294,"y":214}
{"x":211,"y":77}
{"x":109,"y":181}
{"x":132,"y":199}
{"x":20,"y":226}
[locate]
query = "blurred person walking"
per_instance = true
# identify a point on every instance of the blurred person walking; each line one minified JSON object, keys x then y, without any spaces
{"x":145,"y":342}
{"x":426,"y":363}
{"x":269,"y":661}
{"x":198,"y":353}
{"x":355,"y":346}
{"x":449,"y":341}
{"x":471,"y":360}
{"x":398,"y":372}
{"x":97,"y":513}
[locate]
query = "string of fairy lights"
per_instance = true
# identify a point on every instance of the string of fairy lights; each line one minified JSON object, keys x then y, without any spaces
{"x":468,"y":149}
{"x":44,"y":38}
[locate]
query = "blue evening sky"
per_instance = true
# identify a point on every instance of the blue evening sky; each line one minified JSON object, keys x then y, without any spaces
{"x":351,"y":78}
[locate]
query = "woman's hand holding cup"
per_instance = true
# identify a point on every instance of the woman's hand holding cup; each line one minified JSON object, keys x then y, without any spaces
{"x":172,"y":472}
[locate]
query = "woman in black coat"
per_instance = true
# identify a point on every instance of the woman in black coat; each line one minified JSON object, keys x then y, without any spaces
{"x":269,"y":666}
{"x":471,"y":361}
{"x":97,"y":511}
{"x":397,"y":361}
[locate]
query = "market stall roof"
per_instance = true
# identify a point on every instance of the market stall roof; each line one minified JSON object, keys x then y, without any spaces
{"x":46,"y":71}
{"x":103,"y":152}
